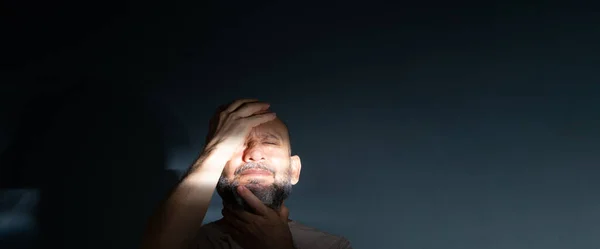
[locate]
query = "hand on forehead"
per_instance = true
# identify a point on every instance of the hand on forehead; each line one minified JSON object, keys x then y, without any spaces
{"x":272,"y":128}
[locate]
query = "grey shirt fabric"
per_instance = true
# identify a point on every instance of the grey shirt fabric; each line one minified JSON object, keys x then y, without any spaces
{"x":211,"y":236}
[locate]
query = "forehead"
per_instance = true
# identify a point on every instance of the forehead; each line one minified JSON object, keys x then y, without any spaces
{"x":275,"y":128}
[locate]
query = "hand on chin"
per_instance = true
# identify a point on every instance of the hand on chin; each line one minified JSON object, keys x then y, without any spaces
{"x":263,"y":228}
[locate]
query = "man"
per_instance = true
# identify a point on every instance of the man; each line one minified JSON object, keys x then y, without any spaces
{"x":248,"y":159}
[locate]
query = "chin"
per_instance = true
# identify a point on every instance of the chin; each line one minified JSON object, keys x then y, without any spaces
{"x":271,"y":192}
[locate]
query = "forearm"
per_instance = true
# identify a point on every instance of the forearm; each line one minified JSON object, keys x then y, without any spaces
{"x":176,"y":222}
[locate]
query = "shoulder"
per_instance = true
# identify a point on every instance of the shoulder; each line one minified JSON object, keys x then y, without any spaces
{"x":211,"y":235}
{"x":310,"y":237}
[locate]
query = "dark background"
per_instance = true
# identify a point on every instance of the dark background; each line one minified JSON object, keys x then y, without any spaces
{"x":420,"y":125}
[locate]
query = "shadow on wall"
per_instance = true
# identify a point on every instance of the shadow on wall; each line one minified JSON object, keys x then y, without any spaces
{"x":98,"y":160}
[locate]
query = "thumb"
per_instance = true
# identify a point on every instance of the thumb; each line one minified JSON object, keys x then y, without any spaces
{"x":284,"y":213}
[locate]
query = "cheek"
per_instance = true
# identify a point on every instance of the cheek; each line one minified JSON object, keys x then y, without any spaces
{"x":283,"y":168}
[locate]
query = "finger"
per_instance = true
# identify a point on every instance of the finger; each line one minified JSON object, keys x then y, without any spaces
{"x":250,"y":108}
{"x":259,"y":119}
{"x":237,"y":103}
{"x":284,"y":213}
{"x":225,"y":110}
{"x":253,"y":201}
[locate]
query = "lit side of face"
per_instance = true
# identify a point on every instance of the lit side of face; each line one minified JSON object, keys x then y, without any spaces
{"x":264,"y":165}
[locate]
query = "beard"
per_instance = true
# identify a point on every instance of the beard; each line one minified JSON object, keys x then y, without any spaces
{"x":272,"y":195}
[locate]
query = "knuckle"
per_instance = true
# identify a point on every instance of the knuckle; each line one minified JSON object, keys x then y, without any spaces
{"x":223,"y":115}
{"x":238,"y":101}
{"x":254,"y":103}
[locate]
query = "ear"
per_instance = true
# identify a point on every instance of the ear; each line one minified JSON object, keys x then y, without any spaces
{"x":296,"y":167}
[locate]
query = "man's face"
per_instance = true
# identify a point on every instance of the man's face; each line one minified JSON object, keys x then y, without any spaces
{"x":264,"y":166}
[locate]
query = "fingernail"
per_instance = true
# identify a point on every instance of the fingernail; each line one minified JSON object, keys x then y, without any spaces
{"x":241,"y":188}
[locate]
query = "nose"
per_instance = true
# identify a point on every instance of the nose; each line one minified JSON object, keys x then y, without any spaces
{"x":253,"y":154}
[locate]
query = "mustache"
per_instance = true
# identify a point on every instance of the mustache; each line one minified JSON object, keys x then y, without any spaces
{"x":253,"y":165}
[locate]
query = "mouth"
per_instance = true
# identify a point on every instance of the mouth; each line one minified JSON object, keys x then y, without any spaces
{"x":255,"y":172}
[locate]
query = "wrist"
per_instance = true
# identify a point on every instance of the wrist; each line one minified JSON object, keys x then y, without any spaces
{"x":212,"y":158}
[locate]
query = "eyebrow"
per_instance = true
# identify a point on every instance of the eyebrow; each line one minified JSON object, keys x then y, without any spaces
{"x":272,"y":135}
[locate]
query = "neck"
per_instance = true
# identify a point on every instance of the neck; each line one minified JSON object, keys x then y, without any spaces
{"x":276,"y":209}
